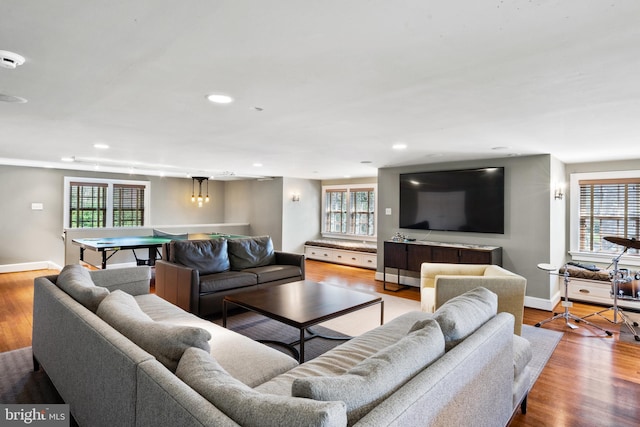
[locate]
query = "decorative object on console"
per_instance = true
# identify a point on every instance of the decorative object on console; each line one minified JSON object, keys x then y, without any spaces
{"x":199,"y":198}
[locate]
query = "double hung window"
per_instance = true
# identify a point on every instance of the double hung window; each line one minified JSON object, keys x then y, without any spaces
{"x":100,"y":203}
{"x":349,"y":211}
{"x":607,"y":204}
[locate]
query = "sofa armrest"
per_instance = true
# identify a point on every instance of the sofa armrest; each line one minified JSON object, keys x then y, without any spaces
{"x":178,"y":284}
{"x":510,"y":290}
{"x":132,"y":280}
{"x":289,"y":258}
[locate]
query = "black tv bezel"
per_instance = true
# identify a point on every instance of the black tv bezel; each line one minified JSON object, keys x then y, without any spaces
{"x":501,"y":193}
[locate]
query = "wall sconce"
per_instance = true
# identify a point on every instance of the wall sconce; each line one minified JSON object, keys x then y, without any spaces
{"x":199,"y":198}
{"x":295,"y":197}
{"x":558,"y":192}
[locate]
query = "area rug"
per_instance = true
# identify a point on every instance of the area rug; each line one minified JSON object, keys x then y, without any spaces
{"x":543,"y":343}
{"x":18,"y":382}
{"x":272,"y":332}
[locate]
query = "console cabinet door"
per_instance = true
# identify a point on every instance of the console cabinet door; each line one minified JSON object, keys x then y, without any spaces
{"x":395,"y":255}
{"x":475,"y":257}
{"x":417,"y":254}
{"x":445,"y":255}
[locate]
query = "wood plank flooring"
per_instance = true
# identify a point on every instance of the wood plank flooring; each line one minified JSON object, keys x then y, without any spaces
{"x":591,"y":379}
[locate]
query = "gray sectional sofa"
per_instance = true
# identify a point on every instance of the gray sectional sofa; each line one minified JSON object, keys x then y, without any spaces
{"x":119,"y":355}
{"x":196,"y":275}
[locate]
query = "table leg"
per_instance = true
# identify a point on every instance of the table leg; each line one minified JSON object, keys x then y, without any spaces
{"x":224,"y":313}
{"x":104,"y":260}
{"x":301,"y":358}
{"x":152,"y":256}
{"x":382,"y":312}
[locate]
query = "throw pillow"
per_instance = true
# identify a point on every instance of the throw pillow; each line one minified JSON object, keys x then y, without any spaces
{"x":164,"y":341}
{"x":206,"y":256}
{"x":371,"y":381}
{"x":251,"y":252}
{"x":463,"y":315}
{"x":75,"y":280}
{"x":248,"y":407}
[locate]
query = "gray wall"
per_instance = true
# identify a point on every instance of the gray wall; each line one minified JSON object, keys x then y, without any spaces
{"x":301,"y":219}
{"x":526,"y":240}
{"x":33,"y":236}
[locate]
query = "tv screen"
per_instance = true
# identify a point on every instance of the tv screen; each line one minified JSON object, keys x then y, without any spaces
{"x":458,"y":200}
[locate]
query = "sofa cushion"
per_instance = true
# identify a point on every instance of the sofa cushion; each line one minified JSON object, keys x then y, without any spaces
{"x":248,"y":407}
{"x":272,"y":273}
{"x":76,"y":281}
{"x":226,"y":280}
{"x":251,"y":252}
{"x":206,"y":256}
{"x":164,"y":341}
{"x":522,"y":355}
{"x":375,"y":378}
{"x":463,"y":315}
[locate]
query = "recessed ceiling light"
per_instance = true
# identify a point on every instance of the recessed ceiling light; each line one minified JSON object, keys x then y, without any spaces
{"x":68,"y":159}
{"x":500,"y":148}
{"x":10,"y":60}
{"x":218,"y":98}
{"x":399,"y":146}
{"x":100,"y":146}
{"x":257,"y":165}
{"x":366,"y":162}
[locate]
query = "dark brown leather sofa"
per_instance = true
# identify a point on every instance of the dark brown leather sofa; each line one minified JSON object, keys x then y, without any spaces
{"x":196,"y":275}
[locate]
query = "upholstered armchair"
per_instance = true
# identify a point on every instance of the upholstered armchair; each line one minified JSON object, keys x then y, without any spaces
{"x":441,"y":282}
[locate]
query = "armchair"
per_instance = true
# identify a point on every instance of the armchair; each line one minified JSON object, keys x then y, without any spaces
{"x":441,"y":282}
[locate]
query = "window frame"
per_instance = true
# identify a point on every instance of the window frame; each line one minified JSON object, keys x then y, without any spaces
{"x":574,"y":219}
{"x":110,"y":183}
{"x":349,"y":189}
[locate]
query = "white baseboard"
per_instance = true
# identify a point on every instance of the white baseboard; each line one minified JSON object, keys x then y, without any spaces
{"x":49,"y":265}
{"x":29,"y":266}
{"x":541,"y":303}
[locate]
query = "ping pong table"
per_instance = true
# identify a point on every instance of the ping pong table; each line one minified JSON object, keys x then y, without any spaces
{"x":109,"y":246}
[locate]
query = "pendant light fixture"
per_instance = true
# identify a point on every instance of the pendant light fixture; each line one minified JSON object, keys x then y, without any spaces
{"x":199,"y":198}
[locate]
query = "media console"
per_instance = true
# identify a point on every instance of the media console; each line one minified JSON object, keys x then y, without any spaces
{"x":409,"y":255}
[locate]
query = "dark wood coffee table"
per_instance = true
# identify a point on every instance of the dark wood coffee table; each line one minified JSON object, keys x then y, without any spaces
{"x":302,"y":304}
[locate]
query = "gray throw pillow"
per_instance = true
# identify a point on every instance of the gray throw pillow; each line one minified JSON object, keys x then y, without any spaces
{"x":374,"y":379}
{"x":251,"y":252}
{"x":164,"y":341}
{"x":463,"y":315}
{"x":206,"y":256}
{"x":75,"y":280}
{"x":247,"y":407}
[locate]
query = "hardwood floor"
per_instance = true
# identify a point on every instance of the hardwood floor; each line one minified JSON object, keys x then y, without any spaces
{"x":591,"y":379}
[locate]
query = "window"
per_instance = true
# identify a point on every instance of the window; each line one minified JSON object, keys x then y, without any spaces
{"x":100,"y":203}
{"x":608,"y":205}
{"x":349,"y":210}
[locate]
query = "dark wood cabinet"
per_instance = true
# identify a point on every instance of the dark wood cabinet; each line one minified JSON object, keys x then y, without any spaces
{"x":395,"y":256}
{"x":409,"y":256}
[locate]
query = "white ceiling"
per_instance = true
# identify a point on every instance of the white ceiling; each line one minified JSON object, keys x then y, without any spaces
{"x":320,"y":86}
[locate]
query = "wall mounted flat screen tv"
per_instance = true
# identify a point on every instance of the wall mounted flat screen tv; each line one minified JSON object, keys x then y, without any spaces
{"x":469,"y":200}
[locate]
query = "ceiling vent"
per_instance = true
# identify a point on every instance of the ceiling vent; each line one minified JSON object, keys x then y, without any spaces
{"x":10,"y":60}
